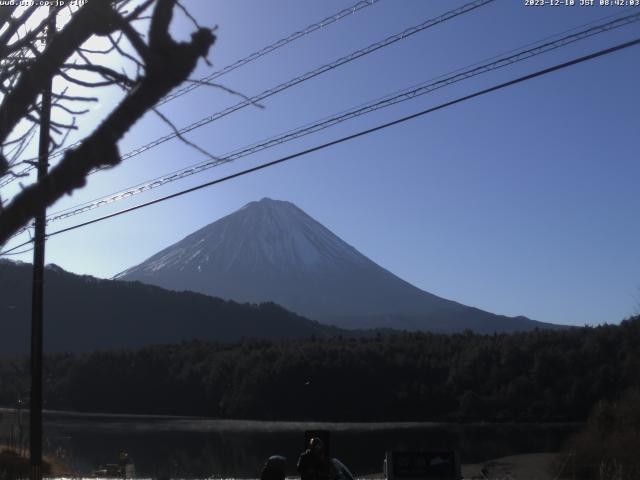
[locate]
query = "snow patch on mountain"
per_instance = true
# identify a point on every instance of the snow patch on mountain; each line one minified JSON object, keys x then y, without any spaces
{"x":264,"y":234}
{"x":270,"y":250}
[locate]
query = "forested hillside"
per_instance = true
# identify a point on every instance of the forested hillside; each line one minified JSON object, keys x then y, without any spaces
{"x":84,"y":313}
{"x":534,"y":376}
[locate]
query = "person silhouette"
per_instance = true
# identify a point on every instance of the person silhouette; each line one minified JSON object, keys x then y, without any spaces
{"x":313,"y":463}
{"x":274,"y":468}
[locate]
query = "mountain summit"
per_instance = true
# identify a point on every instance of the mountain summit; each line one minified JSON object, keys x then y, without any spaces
{"x":271,"y":250}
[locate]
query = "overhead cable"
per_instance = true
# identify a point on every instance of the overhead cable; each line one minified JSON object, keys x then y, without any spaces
{"x":268,"y":49}
{"x":347,"y":138}
{"x":327,"y":122}
{"x":256,"y":99}
{"x":245,"y":60}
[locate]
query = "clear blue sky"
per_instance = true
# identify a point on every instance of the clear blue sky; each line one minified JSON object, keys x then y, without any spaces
{"x":522,"y":202}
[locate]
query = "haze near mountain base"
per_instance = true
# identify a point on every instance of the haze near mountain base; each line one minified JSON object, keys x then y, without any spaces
{"x":271,"y":250}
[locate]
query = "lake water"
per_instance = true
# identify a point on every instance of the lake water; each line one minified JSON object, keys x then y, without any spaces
{"x":196,"y":448}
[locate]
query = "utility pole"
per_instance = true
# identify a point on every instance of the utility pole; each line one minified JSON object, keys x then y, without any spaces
{"x":35,"y":405}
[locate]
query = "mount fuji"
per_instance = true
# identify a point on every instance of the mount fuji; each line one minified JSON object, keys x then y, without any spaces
{"x":271,"y":250}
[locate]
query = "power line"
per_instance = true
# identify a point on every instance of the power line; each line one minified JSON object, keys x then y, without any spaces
{"x":362,"y":133}
{"x":422,"y":89}
{"x":243,"y":61}
{"x":268,"y":49}
{"x":251,"y":57}
{"x":21,"y":252}
{"x":294,"y":81}
{"x":408,"y":32}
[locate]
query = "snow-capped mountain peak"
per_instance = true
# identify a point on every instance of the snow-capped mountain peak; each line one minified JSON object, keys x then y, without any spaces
{"x":270,"y":250}
{"x":262,"y":234}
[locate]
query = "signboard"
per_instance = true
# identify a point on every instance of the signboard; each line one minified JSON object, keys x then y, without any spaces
{"x":432,"y":465}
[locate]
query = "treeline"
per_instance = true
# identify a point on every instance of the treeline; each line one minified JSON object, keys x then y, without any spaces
{"x":534,"y":376}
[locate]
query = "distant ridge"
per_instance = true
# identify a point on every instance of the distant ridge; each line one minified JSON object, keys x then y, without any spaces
{"x":84,"y":313}
{"x":270,"y":250}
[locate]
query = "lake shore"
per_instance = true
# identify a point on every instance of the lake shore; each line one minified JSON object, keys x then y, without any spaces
{"x":181,"y":422}
{"x":197,"y":447}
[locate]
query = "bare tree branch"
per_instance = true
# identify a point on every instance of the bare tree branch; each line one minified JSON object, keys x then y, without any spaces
{"x":228,"y":90}
{"x":30,"y":37}
{"x":167,"y":64}
{"x":103,"y":71}
{"x":14,"y":24}
{"x":182,"y":137}
{"x":86,"y":22}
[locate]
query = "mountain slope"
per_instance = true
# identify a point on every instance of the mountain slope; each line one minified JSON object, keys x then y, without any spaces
{"x":83,"y":313}
{"x":272,"y":251}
